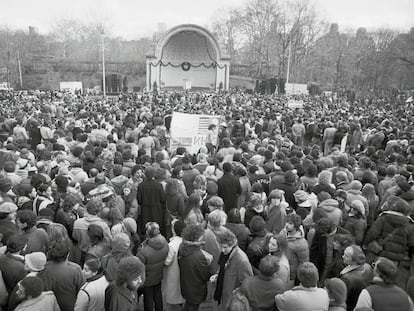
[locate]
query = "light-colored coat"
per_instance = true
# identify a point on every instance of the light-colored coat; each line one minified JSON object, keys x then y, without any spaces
{"x":171,"y":281}
{"x":302,"y":298}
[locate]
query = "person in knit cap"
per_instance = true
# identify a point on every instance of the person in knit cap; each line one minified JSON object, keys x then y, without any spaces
{"x":120,"y":295}
{"x":33,"y":264}
{"x":255,"y":249}
{"x":153,"y":252}
{"x":120,"y":245}
{"x":337,"y":294}
{"x":195,"y":267}
{"x":356,"y":222}
{"x":303,"y":204}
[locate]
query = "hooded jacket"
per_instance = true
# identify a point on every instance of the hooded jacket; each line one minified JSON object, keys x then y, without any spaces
{"x":331,"y":207}
{"x":195,"y":271}
{"x":153,"y":253}
{"x":80,"y":230}
{"x":401,"y":227}
{"x":297,"y":251}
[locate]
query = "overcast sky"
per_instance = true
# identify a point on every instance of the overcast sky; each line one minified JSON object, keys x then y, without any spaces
{"x":133,"y":19}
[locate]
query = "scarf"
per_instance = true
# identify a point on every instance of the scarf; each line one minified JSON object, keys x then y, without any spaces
{"x":223,"y":259}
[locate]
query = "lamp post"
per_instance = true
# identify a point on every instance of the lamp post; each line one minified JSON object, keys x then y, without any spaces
{"x":103,"y":63}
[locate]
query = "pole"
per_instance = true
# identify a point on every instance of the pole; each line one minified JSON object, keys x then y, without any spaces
{"x":103,"y":65}
{"x":288,"y":64}
{"x":20,"y":69}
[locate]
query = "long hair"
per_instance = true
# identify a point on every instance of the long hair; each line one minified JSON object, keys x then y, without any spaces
{"x":193,"y":202}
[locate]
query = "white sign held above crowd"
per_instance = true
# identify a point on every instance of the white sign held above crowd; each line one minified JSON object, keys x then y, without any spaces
{"x":190,"y":130}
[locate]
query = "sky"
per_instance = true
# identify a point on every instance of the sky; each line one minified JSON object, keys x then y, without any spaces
{"x":133,"y":19}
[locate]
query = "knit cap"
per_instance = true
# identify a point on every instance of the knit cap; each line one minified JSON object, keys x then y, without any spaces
{"x":211,"y":187}
{"x":120,"y":243}
{"x":130,"y":224}
{"x":257,"y":224}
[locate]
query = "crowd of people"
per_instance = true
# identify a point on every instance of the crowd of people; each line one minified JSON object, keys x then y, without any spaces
{"x":304,"y":209}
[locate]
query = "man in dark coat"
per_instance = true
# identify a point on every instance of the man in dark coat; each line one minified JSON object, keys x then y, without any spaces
{"x":153,"y":252}
{"x":151,"y":199}
{"x":195,"y":267}
{"x":121,"y":294}
{"x":228,"y":188}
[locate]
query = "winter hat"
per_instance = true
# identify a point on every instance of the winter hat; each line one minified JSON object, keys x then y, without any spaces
{"x":337,"y":290}
{"x":359,"y":206}
{"x":35,"y":261}
{"x":130,"y":224}
{"x":257,"y":225}
{"x":301,"y":195}
{"x":120,"y":243}
{"x":355,"y":185}
{"x":211,"y":187}
{"x":8,"y":207}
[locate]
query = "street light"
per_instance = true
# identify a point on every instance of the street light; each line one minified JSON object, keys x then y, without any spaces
{"x":103,"y":63}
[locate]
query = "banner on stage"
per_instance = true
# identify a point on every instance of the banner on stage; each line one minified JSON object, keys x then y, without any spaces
{"x":190,"y":130}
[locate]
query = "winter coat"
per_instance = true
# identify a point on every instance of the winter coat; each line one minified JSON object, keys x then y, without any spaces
{"x":330,"y":206}
{"x":153,"y":253}
{"x":276,"y":219}
{"x":211,"y":246}
{"x":45,"y":302}
{"x":151,"y":198}
{"x":119,"y":298}
{"x":229,"y":189}
{"x":38,"y":240}
{"x":297,"y":252}
{"x":260,"y":290}
{"x":397,"y":246}
{"x":356,"y":278}
{"x":237,"y":269}
{"x":91,"y":296}
{"x":241,"y":232}
{"x":256,"y":248}
{"x":357,"y":195}
{"x":304,"y":299}
{"x":171,"y":281}
{"x":356,"y":226}
{"x":65,"y":279}
{"x":195,"y":271}
{"x":12,"y":267}
{"x":80,"y":230}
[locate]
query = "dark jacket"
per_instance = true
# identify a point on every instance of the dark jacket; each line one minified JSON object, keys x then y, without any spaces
{"x":7,"y":228}
{"x":151,"y":198}
{"x":356,"y":279}
{"x":13,"y":270}
{"x":153,"y":253}
{"x":261,"y":290}
{"x":241,"y":232}
{"x":386,"y":297}
{"x":400,"y":241}
{"x":195,"y":271}
{"x":356,"y":226}
{"x":119,"y":298}
{"x":229,"y":189}
{"x":65,"y":279}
